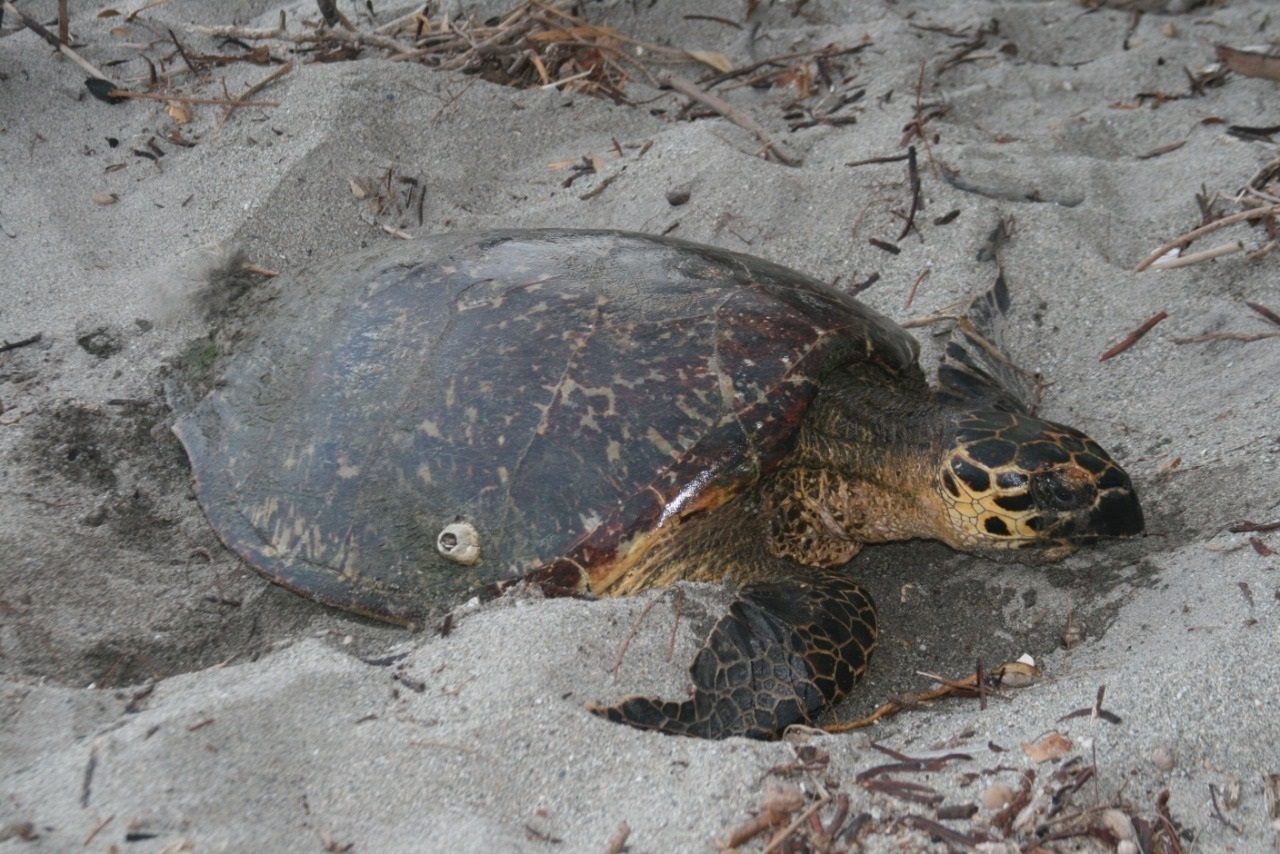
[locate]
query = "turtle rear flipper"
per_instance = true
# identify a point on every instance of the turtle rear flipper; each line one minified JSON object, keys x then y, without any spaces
{"x":785,"y":651}
{"x":975,"y":367}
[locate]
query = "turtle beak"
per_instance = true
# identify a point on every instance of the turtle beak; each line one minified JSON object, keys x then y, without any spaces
{"x":1114,"y":512}
{"x":1106,"y":505}
{"x":1118,"y":512}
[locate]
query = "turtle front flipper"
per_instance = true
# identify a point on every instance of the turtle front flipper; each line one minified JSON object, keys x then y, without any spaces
{"x":786,"y":650}
{"x":975,"y":367}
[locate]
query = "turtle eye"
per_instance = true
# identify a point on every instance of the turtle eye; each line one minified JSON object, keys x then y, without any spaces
{"x":1063,"y":489}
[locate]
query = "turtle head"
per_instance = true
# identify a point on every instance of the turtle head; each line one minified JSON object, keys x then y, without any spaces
{"x":1010,"y":481}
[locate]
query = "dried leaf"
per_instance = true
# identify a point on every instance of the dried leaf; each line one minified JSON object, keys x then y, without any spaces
{"x":179,"y":112}
{"x":108,"y":13}
{"x":105,"y":198}
{"x":120,"y":32}
{"x":1251,"y":63}
{"x":360,"y":187}
{"x":713,"y":58}
{"x":1052,"y":746}
{"x":1163,"y":149}
{"x":799,"y":79}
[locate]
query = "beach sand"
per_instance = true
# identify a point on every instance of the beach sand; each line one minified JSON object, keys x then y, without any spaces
{"x":156,"y":695}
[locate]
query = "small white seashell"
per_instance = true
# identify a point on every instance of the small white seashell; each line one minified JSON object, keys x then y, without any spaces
{"x":459,"y":543}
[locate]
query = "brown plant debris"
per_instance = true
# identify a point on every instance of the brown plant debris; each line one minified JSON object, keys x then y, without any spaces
{"x":1054,"y":745}
{"x":6,"y":346}
{"x":1250,"y":63}
{"x":1044,"y":809}
{"x":1268,"y":213}
{"x":966,"y":687}
{"x":776,"y":807}
{"x":1246,"y":527}
{"x":1133,"y":337}
{"x":1094,"y":712}
{"x":767,"y":146}
{"x":58,"y":42}
{"x":1246,"y":337}
{"x":536,"y":44}
{"x":1264,"y":311}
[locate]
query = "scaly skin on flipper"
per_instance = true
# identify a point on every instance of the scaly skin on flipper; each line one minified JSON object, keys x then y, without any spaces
{"x":785,"y":652}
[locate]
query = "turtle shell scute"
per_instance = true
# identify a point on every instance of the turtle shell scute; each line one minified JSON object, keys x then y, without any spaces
{"x":565,"y":393}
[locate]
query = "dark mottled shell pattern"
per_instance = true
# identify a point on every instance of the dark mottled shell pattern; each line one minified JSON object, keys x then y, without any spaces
{"x":566,"y":393}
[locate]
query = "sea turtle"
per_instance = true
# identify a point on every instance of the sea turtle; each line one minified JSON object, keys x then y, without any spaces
{"x":604,"y":412}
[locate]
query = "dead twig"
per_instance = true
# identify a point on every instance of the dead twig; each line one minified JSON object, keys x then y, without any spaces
{"x":1245,"y":337}
{"x":917,"y":201}
{"x":966,"y":687}
{"x":1094,"y":712}
{"x":1133,"y":337}
{"x":644,"y":612}
{"x":916,"y":127}
{"x":618,"y":842}
{"x":675,"y":623}
{"x":1217,"y":811}
{"x":243,"y":101}
{"x":776,"y":808}
{"x":114,"y":95}
{"x":1197,"y":257}
{"x":1247,"y":527}
{"x":781,"y":836}
{"x":941,"y":831}
{"x":692,"y":90}
{"x":1167,"y":824}
{"x":915,"y":793}
{"x":855,"y":288}
{"x":779,"y":61}
{"x":58,"y":44}
{"x":98,"y":827}
{"x":911,"y":295}
{"x":1256,"y":213}
{"x":1264,"y":311}
{"x":896,"y":158}
{"x":306,"y":37}
{"x":6,"y":346}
